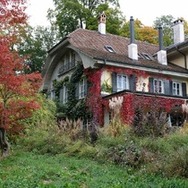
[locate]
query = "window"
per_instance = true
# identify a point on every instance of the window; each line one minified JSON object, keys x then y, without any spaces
{"x":68,"y":62}
{"x":168,"y":87}
{"x":63,"y":98}
{"x":177,"y":88}
{"x":145,"y":56}
{"x":82,"y":88}
{"x":109,"y":49}
{"x":52,"y":94}
{"x":122,"y":82}
{"x":158,"y":86}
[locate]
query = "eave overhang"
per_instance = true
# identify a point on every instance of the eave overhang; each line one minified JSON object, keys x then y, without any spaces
{"x":142,"y":68}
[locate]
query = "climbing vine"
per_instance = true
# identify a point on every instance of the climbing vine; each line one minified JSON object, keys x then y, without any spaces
{"x":94,"y":99}
{"x":74,"y":108}
{"x":92,"y":106}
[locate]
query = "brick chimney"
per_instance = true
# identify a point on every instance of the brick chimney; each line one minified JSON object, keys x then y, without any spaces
{"x":161,"y":54}
{"x":102,"y":23}
{"x":178,"y":29}
{"x":132,"y":47}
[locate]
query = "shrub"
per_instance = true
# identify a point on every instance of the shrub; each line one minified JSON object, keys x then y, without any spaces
{"x":149,"y":123}
{"x":45,"y":115}
{"x":127,"y":154}
{"x":71,"y":128}
{"x":177,"y":163}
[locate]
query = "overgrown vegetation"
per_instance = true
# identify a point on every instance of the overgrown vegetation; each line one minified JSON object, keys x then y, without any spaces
{"x":164,"y":156}
{"x":48,"y":155}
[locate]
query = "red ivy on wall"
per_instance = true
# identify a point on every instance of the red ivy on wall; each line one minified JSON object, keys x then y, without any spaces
{"x":127,"y":110}
{"x":94,"y":99}
{"x":131,"y":100}
{"x":127,"y":71}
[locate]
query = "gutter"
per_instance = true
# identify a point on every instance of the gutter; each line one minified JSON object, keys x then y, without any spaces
{"x":143,"y":68}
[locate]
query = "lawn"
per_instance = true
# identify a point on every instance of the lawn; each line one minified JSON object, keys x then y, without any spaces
{"x":30,"y":170}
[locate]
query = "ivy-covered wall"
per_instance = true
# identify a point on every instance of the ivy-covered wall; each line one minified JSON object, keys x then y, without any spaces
{"x":74,"y":108}
{"x":93,"y":105}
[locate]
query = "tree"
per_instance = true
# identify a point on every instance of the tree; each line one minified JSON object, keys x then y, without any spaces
{"x":165,"y":22}
{"x":148,"y":34}
{"x":71,"y":14}
{"x":114,"y":18}
{"x":143,"y":33}
{"x":34,"y":47}
{"x":17,"y":90}
{"x":125,"y":30}
{"x":185,"y":26}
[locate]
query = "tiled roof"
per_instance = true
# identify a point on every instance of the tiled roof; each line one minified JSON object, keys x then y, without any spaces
{"x":92,"y":43}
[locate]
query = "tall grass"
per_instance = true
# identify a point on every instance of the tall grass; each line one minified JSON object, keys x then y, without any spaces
{"x":165,"y":156}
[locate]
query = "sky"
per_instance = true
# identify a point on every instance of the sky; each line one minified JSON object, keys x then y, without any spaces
{"x":145,"y":10}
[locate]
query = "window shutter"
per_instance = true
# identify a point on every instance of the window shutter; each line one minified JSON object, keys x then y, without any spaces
{"x":170,"y":88}
{"x":184,"y":89}
{"x":114,"y":82}
{"x":132,"y":82}
{"x":166,"y":87}
{"x":151,"y":85}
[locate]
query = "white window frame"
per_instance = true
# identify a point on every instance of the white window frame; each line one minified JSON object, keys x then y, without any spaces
{"x":63,"y":94}
{"x":52,"y":94}
{"x":122,"y":82}
{"x":177,"y":88}
{"x":158,"y":86}
{"x":81,"y":88}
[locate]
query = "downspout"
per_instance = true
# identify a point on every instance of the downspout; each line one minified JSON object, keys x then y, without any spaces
{"x":184,"y":55}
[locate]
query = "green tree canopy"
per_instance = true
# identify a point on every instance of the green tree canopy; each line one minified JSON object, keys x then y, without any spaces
{"x":35,"y":45}
{"x":143,"y":33}
{"x":71,"y":14}
{"x":166,"y":22}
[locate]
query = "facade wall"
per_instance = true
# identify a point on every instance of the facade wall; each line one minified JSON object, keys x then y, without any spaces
{"x":64,"y":68}
{"x":113,"y":81}
{"x":138,"y":86}
{"x":142,"y":84}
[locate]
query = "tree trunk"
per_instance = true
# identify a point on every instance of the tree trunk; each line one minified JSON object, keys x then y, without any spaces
{"x":4,"y":145}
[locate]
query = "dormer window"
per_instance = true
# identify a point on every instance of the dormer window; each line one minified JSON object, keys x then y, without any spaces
{"x":109,"y":49}
{"x":145,"y":56}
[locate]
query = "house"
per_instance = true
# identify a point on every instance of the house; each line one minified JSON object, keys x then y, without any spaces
{"x":88,"y":68}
